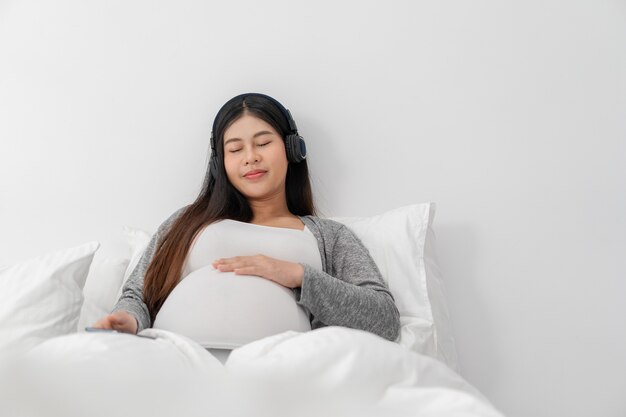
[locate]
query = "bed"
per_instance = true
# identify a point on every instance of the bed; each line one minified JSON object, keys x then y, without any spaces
{"x":49,"y":366}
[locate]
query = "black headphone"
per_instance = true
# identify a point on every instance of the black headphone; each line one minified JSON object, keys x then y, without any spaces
{"x":294,"y":143}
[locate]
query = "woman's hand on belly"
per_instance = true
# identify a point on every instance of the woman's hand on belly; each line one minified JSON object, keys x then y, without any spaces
{"x":288,"y":274}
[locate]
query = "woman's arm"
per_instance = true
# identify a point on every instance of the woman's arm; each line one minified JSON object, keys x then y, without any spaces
{"x":132,"y":299}
{"x":353,"y":294}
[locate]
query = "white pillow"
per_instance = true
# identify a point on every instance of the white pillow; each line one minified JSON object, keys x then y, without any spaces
{"x":100,"y":292}
{"x":402,"y":243}
{"x":41,"y":297}
{"x":107,"y":277}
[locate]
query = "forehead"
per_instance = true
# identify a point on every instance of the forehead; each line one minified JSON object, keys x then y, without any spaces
{"x":246,"y":127}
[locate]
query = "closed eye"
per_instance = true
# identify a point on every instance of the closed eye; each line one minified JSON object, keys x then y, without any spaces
{"x":261,"y":144}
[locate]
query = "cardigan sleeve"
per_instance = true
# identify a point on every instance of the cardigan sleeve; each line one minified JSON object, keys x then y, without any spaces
{"x":132,"y":299}
{"x":355,"y":295}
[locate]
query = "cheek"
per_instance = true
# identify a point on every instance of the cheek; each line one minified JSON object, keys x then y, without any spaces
{"x":279,"y":157}
{"x":231,"y":168}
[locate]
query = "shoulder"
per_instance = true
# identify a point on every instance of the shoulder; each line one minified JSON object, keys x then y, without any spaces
{"x":338,"y":236}
{"x":325,"y":225}
{"x":171,"y":219}
{"x":332,"y":230}
{"x":176,"y":214}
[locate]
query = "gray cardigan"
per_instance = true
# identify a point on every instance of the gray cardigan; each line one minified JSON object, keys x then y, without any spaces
{"x":349,"y":292}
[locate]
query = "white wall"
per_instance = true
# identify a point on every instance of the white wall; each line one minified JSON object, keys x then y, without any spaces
{"x":509,"y":115}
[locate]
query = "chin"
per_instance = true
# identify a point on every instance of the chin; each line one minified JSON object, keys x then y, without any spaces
{"x":248,"y":190}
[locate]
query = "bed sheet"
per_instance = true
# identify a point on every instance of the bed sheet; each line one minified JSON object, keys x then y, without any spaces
{"x":328,"y":371}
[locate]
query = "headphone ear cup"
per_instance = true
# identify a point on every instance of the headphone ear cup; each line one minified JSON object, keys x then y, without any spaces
{"x":296,"y":148}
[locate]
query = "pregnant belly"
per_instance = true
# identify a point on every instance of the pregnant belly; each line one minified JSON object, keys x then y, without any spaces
{"x":224,"y":310}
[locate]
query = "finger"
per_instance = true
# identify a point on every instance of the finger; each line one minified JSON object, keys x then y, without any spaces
{"x":224,"y":259}
{"x":116,"y":321}
{"x":226,"y":268}
{"x":236,"y":259}
{"x":233,"y":263}
{"x":219,"y":262}
{"x":120,"y":325}
{"x":246,"y":270}
{"x":120,"y":320}
{"x":102,"y":324}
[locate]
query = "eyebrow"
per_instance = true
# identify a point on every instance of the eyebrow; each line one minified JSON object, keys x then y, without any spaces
{"x":257,"y":134}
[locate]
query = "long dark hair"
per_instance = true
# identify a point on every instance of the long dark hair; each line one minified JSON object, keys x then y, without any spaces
{"x":219,"y":200}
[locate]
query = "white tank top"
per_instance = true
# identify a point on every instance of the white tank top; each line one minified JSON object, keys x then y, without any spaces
{"x":224,"y":310}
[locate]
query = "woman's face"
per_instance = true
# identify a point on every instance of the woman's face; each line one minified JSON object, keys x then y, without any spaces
{"x":251,"y":144}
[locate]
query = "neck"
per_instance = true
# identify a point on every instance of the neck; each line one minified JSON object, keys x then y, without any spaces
{"x":267,"y":211}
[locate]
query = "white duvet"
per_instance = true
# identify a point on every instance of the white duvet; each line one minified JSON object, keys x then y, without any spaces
{"x":331,"y":371}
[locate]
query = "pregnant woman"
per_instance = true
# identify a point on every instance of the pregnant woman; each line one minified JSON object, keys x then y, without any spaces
{"x":249,"y":258}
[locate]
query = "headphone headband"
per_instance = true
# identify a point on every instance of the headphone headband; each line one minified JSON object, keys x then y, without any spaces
{"x":292,"y":123}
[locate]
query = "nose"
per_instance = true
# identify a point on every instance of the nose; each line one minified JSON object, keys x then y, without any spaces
{"x":252,"y":156}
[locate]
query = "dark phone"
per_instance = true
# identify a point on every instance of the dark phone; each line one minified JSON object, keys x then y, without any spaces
{"x":96,"y":329}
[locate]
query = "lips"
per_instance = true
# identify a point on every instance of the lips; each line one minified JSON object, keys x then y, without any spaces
{"x":254,"y":172}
